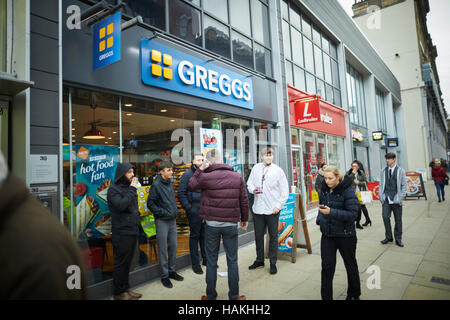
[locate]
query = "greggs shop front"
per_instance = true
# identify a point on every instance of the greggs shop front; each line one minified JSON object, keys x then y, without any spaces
{"x":142,"y":96}
{"x":318,"y":131}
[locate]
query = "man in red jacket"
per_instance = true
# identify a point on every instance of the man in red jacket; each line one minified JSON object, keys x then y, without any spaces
{"x":439,"y":175}
{"x":223,"y":204}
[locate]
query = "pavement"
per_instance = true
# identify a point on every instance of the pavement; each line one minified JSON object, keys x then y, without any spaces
{"x":418,"y":271}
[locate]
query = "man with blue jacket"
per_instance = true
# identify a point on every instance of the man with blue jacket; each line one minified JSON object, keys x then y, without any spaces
{"x":392,"y":192}
{"x":190,"y":200}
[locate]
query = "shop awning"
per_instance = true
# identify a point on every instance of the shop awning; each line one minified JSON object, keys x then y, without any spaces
{"x":323,"y":116}
{"x":10,"y":86}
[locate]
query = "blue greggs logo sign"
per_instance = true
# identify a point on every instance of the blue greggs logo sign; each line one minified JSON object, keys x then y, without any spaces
{"x":168,"y":68}
{"x":107,"y":41}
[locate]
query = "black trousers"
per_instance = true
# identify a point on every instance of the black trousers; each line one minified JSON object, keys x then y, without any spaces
{"x":386,"y":212}
{"x":123,"y":249}
{"x":347,"y":249}
{"x":261,"y":222}
{"x":362,"y":207}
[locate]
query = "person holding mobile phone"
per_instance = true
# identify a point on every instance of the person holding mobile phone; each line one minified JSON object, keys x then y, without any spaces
{"x":338,"y":210}
{"x":268,"y":183}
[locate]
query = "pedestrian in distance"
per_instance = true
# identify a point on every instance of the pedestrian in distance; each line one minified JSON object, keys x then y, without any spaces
{"x":268,"y":183}
{"x":190,"y":201}
{"x":338,"y":209}
{"x":320,"y":180}
{"x":39,"y":259}
{"x":392,"y":192}
{"x":359,"y":184}
{"x":439,"y":176}
{"x":123,"y":204}
{"x":223,"y":203}
{"x":163,"y":204}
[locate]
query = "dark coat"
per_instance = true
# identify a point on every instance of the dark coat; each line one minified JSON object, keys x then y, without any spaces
{"x":189,"y":199}
{"x":344,"y":210}
{"x":123,"y":204}
{"x":224,"y":194}
{"x":320,"y":181}
{"x":438,"y":174}
{"x":35,"y":249}
{"x":161,"y":200}
{"x":362,"y":179}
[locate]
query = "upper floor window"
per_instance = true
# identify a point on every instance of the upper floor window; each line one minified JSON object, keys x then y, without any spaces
{"x":356,"y":99}
{"x":311,"y":57}
{"x":381,"y":110}
{"x":3,"y":35}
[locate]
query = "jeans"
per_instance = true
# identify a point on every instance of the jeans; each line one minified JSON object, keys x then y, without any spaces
{"x":229,"y":236}
{"x":166,"y":235}
{"x":123,"y":250}
{"x":261,"y":221}
{"x":196,"y":237}
{"x":440,"y":190}
{"x":347,"y":249}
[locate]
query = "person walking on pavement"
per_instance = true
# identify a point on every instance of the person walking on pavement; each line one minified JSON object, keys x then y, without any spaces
{"x":320,"y":180}
{"x":123,"y":204}
{"x":337,"y":214}
{"x":392,"y":192}
{"x":190,"y":201}
{"x":268,"y":183}
{"x":223,"y":203}
{"x":163,"y":204}
{"x":439,"y":175}
{"x":359,"y":184}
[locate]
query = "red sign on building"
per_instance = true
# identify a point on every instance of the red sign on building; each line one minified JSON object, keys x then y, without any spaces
{"x":307,"y":111}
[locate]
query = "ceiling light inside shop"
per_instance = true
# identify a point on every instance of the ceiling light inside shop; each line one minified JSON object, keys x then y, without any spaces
{"x":114,"y":132}
{"x":73,"y":129}
{"x":132,"y":133}
{"x":73,"y":136}
{"x":109,"y":138}
{"x":93,"y":133}
{"x":129,"y":114}
{"x":106,"y":142}
{"x":128,"y":104}
{"x":163,"y":110}
{"x":73,"y":119}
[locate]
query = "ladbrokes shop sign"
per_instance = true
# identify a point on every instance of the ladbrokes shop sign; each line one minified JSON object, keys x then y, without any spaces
{"x":168,"y":68}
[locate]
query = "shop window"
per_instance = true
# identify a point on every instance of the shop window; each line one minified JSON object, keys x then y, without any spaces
{"x":219,"y":8}
{"x":294,"y":136}
{"x":4,"y":119}
{"x":242,"y":50}
{"x":311,"y":165}
{"x":185,"y":22}
{"x":240,"y":15}
{"x":263,"y":60}
{"x":260,"y":22}
{"x":152,"y":12}
{"x":336,"y":154}
{"x":217,"y":37}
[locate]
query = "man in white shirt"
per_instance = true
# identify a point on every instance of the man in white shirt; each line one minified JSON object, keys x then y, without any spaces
{"x":268,"y":183}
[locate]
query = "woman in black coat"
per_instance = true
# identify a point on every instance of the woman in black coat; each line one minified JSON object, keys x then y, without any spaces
{"x":360,"y":184}
{"x":337,"y":214}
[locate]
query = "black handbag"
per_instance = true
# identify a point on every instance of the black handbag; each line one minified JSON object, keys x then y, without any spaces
{"x":446,"y":180}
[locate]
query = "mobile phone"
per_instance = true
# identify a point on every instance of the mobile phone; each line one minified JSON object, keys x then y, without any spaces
{"x":322,"y":206}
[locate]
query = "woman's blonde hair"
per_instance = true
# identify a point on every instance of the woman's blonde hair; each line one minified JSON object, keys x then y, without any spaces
{"x":334,"y":170}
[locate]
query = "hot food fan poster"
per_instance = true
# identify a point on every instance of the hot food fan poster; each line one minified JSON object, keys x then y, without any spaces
{"x":95,"y":169}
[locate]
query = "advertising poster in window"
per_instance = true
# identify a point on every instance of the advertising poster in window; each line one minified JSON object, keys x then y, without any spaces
{"x":210,"y":139}
{"x":232,"y":158}
{"x":286,"y":225}
{"x":311,"y":174}
{"x":95,"y":169}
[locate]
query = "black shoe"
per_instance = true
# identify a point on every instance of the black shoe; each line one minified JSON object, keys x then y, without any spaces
{"x":166,"y":283}
{"x":386,"y":241}
{"x":175,"y":276}
{"x":197,"y":269}
{"x":367,"y":223}
{"x":273,"y":268}
{"x":358,"y":226}
{"x":399,"y":243}
{"x":352,"y":298}
{"x":439,"y":200}
{"x":204,"y":263}
{"x":255,"y":265}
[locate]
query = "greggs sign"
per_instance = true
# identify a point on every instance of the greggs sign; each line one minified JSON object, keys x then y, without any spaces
{"x":165,"y":67}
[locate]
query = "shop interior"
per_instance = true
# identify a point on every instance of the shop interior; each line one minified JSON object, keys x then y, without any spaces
{"x":136,"y":131}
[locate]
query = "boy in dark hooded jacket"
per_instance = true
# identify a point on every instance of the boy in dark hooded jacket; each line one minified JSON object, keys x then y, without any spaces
{"x":123,"y":204}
